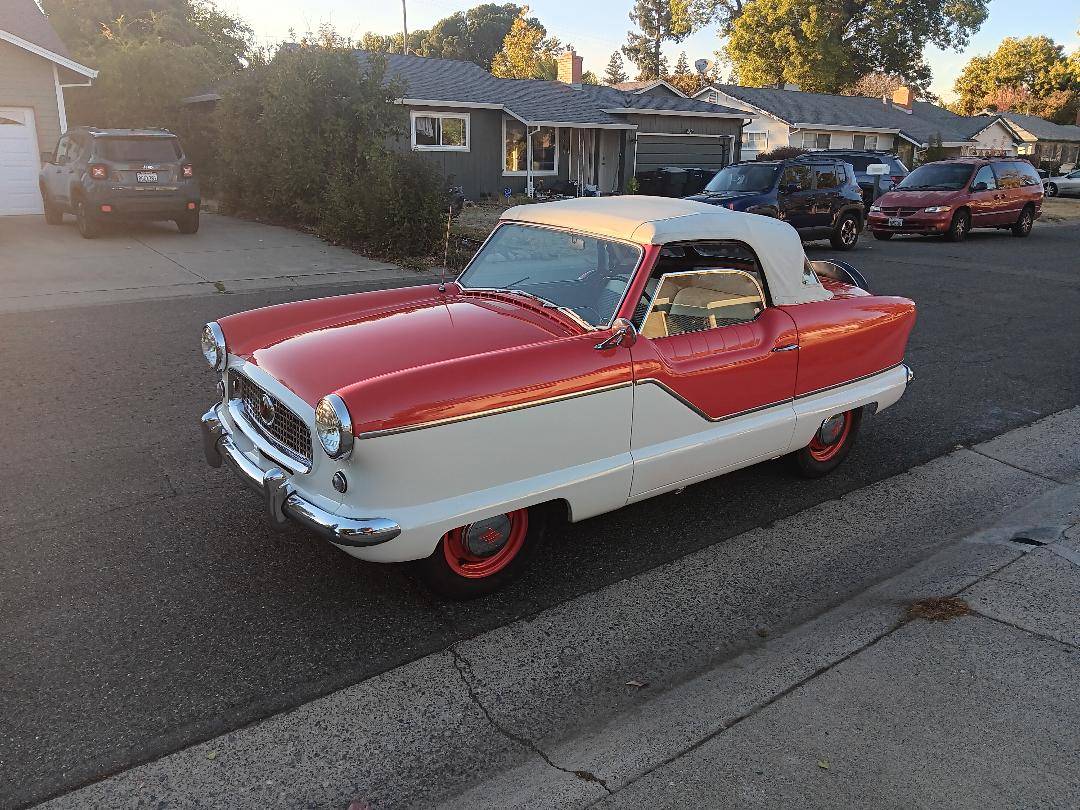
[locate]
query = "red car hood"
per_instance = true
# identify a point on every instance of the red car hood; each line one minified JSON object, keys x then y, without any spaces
{"x":918,"y":199}
{"x":317,"y":347}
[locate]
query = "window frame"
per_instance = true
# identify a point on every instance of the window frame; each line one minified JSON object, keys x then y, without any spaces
{"x":866,"y":137}
{"x":439,"y":147}
{"x":975,"y":177}
{"x":744,"y":141}
{"x":704,"y":271}
{"x":524,"y":172}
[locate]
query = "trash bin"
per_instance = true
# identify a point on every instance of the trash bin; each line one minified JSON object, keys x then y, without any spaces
{"x":649,"y":183}
{"x":697,"y":179}
{"x":672,"y":181}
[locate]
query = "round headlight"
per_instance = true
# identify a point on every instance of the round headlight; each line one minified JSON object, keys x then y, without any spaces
{"x":213,"y":346}
{"x":334,"y":426}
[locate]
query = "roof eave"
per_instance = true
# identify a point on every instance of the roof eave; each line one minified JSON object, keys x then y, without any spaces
{"x":679,"y":113}
{"x":45,"y":53}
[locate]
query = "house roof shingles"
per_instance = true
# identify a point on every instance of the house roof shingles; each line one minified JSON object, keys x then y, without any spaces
{"x":1043,"y":129}
{"x":531,"y":100}
{"x":24,"y":19}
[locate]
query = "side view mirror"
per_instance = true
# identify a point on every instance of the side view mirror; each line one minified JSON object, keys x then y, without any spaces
{"x":46,"y":158}
{"x":980,"y":186}
{"x":624,"y":334}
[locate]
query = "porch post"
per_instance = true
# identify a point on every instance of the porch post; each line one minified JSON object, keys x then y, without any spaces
{"x":622,"y":162}
{"x":528,"y":161}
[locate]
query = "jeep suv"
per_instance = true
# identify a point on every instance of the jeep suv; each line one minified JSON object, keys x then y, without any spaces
{"x":817,"y":196}
{"x":119,"y":174}
{"x":860,"y":160}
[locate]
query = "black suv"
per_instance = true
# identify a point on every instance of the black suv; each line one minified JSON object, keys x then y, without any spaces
{"x":818,"y":196}
{"x":859,"y":160}
{"x":108,"y":174}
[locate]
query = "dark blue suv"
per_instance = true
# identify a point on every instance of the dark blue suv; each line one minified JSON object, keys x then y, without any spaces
{"x":819,"y":197}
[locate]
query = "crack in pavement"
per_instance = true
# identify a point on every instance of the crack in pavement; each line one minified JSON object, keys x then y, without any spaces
{"x":169,"y":258}
{"x":464,"y":668}
{"x":1017,"y":467}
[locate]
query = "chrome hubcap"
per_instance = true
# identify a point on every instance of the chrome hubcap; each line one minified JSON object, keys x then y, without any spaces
{"x":830,"y":429}
{"x":486,"y":537}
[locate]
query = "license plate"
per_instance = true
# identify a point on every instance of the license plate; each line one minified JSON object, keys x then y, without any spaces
{"x":896,"y":222}
{"x":146,"y":177}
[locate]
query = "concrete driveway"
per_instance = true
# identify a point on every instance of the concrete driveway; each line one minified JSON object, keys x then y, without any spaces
{"x":43,"y":267}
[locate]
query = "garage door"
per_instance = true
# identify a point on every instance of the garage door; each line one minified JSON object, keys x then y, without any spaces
{"x":687,"y":151}
{"x":19,"y":162}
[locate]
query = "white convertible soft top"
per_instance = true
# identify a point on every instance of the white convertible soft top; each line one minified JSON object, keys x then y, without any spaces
{"x":662,"y":220}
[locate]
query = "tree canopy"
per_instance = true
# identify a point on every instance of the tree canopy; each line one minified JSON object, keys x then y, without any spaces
{"x":615,"y":72}
{"x":657,"y":21}
{"x":527,"y":52}
{"x":1029,"y":75}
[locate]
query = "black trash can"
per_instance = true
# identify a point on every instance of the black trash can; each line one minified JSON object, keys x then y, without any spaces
{"x":649,"y":183}
{"x":697,"y":179}
{"x":672,"y":181}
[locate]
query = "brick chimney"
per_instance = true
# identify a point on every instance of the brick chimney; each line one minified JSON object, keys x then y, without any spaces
{"x":903,"y":97}
{"x":570,"y":68}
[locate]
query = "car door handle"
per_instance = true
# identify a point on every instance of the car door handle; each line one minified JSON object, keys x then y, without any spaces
{"x":787,"y":347}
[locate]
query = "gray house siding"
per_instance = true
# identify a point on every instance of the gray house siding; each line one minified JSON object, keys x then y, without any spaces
{"x":26,"y":80}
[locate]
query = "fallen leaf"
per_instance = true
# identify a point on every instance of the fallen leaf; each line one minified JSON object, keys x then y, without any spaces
{"x":823,"y":764}
{"x":212,"y":755}
{"x":636,"y":684}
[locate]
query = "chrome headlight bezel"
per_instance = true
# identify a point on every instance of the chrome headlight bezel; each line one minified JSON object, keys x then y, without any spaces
{"x":938,"y":209}
{"x":334,"y":427}
{"x":213,"y":346}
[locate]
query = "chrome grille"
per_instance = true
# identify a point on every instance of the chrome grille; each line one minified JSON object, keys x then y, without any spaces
{"x":899,"y":212}
{"x":286,"y":431}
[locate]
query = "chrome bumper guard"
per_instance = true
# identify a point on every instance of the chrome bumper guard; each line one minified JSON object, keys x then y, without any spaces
{"x":283,"y":503}
{"x":910,"y":373}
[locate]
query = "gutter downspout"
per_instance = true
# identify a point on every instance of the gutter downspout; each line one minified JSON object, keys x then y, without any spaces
{"x":529,"y":191}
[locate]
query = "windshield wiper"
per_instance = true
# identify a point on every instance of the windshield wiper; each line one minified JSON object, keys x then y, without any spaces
{"x":549,"y":305}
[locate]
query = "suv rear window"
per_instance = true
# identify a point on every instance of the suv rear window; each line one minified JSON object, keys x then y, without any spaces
{"x":145,"y":150}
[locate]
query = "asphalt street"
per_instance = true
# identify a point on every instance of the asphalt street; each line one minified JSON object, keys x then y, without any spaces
{"x":145,"y":606}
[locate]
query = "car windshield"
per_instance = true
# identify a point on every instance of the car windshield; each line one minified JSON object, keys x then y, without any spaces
{"x":936,"y":177}
{"x":140,"y":150}
{"x":746,"y":177}
{"x":581,"y":275}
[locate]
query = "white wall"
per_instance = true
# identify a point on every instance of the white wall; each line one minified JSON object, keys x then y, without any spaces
{"x":995,"y":138}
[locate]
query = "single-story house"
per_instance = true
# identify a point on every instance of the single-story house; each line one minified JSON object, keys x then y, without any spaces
{"x":1048,"y":144}
{"x":35,"y":67}
{"x":489,"y":134}
{"x":790,"y":117}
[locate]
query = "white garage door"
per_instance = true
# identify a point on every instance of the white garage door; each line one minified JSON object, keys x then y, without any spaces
{"x":19,"y":162}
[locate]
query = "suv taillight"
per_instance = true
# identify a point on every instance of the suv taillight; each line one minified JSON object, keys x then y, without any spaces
{"x":187,"y":170}
{"x":896,"y":178}
{"x":99,"y":172}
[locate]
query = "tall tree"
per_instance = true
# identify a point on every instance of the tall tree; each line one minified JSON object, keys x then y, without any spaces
{"x":657,"y":21}
{"x":1030,"y":75}
{"x":527,"y":52}
{"x":615,"y":72}
{"x":825,"y":46}
{"x":475,"y":35}
{"x":682,"y":78}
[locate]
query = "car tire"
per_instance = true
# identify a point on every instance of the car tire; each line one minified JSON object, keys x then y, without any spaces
{"x":53,"y":215}
{"x":189,"y":223}
{"x":1022,"y":227}
{"x":959,"y":227}
{"x":884,"y":236}
{"x":1051,"y":189}
{"x":89,"y":227}
{"x":845,"y":235}
{"x":825,"y":453}
{"x":456,"y":571}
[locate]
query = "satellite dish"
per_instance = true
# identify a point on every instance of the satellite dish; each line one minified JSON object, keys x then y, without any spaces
{"x":701,"y":65}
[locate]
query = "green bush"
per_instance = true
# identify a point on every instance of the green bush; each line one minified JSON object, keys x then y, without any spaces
{"x":308,"y":136}
{"x":782,"y":153}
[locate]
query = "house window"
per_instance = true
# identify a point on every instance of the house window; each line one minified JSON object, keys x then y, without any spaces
{"x":755,"y":141}
{"x":545,"y":148}
{"x":816,"y":140}
{"x":865,"y":142}
{"x":432,"y":131}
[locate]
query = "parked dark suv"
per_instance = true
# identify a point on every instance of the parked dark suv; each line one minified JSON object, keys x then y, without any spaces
{"x":110,"y":174}
{"x":859,"y":160}
{"x":818,"y":196}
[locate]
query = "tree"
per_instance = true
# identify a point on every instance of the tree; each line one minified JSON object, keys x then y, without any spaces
{"x":825,"y":46}
{"x":615,"y":73}
{"x":527,"y":52}
{"x":1030,"y":75}
{"x":475,"y":35}
{"x":658,"y":21}
{"x":682,"y":78}
{"x":588,"y":77}
{"x":875,"y":85}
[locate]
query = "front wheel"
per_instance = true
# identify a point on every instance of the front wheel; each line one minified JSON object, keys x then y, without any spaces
{"x":1051,"y":189}
{"x":480,"y":558}
{"x":959,"y":227}
{"x":846,"y":233}
{"x":830,"y":446}
{"x":1022,"y":226}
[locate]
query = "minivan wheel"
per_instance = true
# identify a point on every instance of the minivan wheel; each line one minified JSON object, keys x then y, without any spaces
{"x":1022,"y":226}
{"x":959,"y":227}
{"x":53,"y":215}
{"x":1051,"y":189}
{"x":846,"y":233}
{"x":89,"y":227}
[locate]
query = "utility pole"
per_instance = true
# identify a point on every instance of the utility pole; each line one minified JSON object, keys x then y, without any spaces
{"x":404,"y":30}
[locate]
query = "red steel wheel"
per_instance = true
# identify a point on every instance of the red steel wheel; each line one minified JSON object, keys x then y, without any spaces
{"x":830,"y":437}
{"x":486,"y":547}
{"x":830,"y":445}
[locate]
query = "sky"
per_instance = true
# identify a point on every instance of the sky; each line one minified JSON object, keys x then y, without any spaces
{"x":598,"y":27}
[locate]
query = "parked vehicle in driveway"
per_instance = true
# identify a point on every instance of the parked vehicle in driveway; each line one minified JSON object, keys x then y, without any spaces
{"x":595,"y":352}
{"x":860,"y":160}
{"x":950,"y":197}
{"x":103,"y":175}
{"x":818,"y":197}
{"x":1063,"y":184}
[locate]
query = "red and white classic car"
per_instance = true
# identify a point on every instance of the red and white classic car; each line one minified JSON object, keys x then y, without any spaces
{"x":594,"y":353}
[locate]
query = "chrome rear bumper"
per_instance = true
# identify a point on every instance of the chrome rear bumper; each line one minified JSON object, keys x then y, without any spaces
{"x":283,"y":503}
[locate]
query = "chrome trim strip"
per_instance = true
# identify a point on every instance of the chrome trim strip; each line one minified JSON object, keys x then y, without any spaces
{"x":701,"y":413}
{"x":283,"y":503}
{"x":847,"y":382}
{"x":375,"y":434}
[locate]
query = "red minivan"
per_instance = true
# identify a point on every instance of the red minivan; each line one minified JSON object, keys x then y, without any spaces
{"x":950,"y":197}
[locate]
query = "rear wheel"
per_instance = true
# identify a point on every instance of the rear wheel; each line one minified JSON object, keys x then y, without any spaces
{"x":959,"y":227}
{"x":89,"y":227}
{"x":830,"y":446}
{"x":481,"y":557}
{"x":846,"y":233}
{"x":53,"y":215}
{"x":884,"y":236}
{"x":1051,"y":189}
{"x":189,"y":223}
{"x":1022,"y":226}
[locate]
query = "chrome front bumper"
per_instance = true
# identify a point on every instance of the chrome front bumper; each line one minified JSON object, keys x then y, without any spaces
{"x":283,"y":503}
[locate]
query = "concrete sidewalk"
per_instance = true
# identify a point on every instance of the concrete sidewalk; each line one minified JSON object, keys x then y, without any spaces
{"x":678,"y":688}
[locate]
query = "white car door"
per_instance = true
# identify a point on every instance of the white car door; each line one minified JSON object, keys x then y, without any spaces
{"x":1069,"y":184}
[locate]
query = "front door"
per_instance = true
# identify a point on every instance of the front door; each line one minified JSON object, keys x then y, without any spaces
{"x":714,"y":374}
